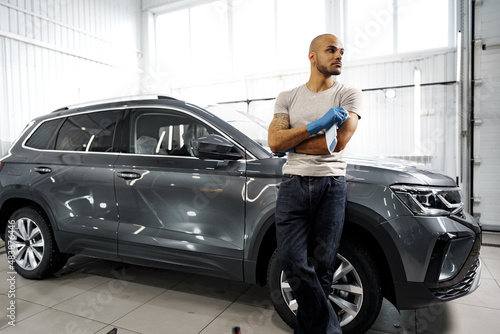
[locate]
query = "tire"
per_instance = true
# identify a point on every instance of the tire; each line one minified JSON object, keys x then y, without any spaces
{"x":32,"y":242}
{"x":356,"y":290}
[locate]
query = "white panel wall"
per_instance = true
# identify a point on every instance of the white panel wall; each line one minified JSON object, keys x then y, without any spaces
{"x":156,"y":4}
{"x":422,"y":130}
{"x":59,"y":52}
{"x":486,"y":101}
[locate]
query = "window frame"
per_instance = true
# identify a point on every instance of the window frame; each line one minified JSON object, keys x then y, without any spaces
{"x":234,"y":68}
{"x":335,"y":22}
{"x":396,"y":54}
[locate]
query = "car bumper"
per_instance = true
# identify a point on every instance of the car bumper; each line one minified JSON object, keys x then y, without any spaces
{"x":411,"y":295}
{"x":452,"y":267}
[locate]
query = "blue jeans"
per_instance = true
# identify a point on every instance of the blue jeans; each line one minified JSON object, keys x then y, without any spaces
{"x":309,"y":220}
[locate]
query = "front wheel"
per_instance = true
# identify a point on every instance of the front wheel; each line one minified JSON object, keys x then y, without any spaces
{"x":32,"y":244}
{"x":356,"y":293}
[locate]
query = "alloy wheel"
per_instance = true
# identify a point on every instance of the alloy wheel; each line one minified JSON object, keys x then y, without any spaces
{"x":346,"y":295}
{"x":27,"y":243}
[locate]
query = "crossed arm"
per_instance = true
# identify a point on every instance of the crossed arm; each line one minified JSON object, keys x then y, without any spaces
{"x":282,"y":138}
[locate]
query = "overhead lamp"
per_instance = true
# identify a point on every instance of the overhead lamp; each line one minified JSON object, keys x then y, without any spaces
{"x":390,"y":93}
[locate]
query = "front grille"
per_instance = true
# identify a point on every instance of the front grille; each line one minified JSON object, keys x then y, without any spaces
{"x":459,"y":289}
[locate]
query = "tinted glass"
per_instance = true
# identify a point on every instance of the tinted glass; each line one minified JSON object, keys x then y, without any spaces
{"x":88,"y":132}
{"x":45,"y":136}
{"x":165,"y":133}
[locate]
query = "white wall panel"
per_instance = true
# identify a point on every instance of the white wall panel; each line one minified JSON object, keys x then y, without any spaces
{"x":61,"y":52}
{"x":155,"y":4}
{"x":486,"y":141}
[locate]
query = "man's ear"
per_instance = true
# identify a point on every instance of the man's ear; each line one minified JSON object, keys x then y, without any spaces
{"x":312,"y":56}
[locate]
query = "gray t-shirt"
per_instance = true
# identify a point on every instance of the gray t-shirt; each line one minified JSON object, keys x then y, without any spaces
{"x":304,"y":106}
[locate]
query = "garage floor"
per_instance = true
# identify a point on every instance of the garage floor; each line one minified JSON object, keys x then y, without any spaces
{"x":96,"y":296}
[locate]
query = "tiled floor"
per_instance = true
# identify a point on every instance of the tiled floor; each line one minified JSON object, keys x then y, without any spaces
{"x":95,"y":296}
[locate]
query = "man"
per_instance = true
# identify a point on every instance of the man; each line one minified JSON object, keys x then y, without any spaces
{"x":311,"y":198}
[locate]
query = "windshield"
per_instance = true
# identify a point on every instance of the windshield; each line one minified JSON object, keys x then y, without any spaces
{"x":250,"y":125}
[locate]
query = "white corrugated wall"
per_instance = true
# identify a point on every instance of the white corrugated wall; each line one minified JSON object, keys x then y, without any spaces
{"x":59,"y":52}
{"x":393,"y":126}
{"x":486,"y":141}
{"x":155,"y":4}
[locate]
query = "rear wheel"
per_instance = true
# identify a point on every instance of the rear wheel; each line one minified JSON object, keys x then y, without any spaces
{"x":356,"y":293}
{"x":32,"y":244}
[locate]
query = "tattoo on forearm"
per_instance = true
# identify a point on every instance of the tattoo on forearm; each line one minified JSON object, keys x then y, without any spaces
{"x":281,"y":121}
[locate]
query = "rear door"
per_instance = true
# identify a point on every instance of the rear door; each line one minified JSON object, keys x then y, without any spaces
{"x":73,"y":176}
{"x":176,"y":209}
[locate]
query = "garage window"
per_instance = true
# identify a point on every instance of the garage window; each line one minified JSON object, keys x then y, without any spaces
{"x":392,"y":27}
{"x":219,"y":39}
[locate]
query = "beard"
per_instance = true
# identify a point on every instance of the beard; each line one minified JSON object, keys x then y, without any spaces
{"x":326,"y":71}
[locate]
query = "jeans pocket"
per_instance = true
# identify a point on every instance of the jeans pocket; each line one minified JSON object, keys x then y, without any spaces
{"x":339,"y":179}
{"x":287,"y":178}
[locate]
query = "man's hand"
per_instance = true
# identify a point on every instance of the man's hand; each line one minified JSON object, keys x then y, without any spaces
{"x":318,"y":144}
{"x":333,"y":116}
{"x":281,"y":137}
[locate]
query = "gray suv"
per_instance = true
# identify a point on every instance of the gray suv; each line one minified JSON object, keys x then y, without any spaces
{"x":160,"y":182}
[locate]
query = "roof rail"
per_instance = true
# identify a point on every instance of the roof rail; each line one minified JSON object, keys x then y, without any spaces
{"x":61,"y":109}
{"x":118,"y":99}
{"x":166,"y":97}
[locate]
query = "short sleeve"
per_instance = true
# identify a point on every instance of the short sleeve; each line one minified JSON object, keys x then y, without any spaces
{"x":282,"y":105}
{"x":352,"y":100}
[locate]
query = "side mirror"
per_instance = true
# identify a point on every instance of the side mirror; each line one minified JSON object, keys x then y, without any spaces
{"x":214,"y":147}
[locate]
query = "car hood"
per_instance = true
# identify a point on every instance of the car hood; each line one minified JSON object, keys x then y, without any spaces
{"x":387,"y":171}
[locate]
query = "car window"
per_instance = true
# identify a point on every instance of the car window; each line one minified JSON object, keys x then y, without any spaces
{"x":166,"y":133}
{"x":88,"y":132}
{"x":252,"y":126}
{"x":44,"y":137}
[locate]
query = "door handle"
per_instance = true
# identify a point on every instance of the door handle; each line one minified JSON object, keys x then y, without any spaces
{"x":43,"y":170}
{"x":128,"y":175}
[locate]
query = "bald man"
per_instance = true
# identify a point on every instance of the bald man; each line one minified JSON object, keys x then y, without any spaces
{"x":314,"y":122}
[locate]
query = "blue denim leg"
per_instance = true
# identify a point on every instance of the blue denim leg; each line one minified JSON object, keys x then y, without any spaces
{"x":309,"y":221}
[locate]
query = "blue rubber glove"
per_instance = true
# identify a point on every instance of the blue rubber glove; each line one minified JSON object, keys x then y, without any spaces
{"x":334,"y":115}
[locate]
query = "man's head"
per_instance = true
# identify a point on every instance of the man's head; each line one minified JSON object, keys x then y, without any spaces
{"x":325,"y":55}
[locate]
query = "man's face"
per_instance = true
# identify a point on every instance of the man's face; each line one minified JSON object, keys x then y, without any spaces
{"x":329,"y":56}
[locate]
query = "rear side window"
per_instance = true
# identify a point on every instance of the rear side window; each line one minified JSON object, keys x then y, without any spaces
{"x":92,"y":132}
{"x":45,"y":136}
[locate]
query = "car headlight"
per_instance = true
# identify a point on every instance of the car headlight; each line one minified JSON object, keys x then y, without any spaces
{"x":430,"y":201}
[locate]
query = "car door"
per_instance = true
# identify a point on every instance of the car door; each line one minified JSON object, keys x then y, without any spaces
{"x":176,"y":209}
{"x":72,"y":174}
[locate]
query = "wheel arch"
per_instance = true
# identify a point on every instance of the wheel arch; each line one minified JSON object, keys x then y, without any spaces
{"x":13,"y":204}
{"x":365,"y":227}
{"x":260,"y":252}
{"x":40,"y":257}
